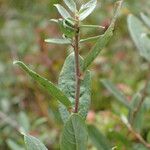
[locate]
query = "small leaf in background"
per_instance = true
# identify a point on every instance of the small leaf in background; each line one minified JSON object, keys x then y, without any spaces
{"x":87,"y":9}
{"x":24,"y":121}
{"x":118,"y":94}
{"x":33,"y":143}
{"x":58,"y":41}
{"x":146,"y":19}
{"x":139,"y":36}
{"x":47,"y":85}
{"x":63,"y":12}
{"x":67,"y":82}
{"x":74,"y":136}
{"x":98,"y":139}
{"x":148,"y":137}
{"x":102,"y":41}
{"x":71,"y":5}
{"x":136,"y":120}
{"x":13,"y":145}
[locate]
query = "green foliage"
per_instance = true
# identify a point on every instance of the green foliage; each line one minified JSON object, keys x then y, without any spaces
{"x":74,"y":135}
{"x":98,"y":139}
{"x":47,"y":85}
{"x":87,"y":9}
{"x":33,"y":143}
{"x":63,"y":12}
{"x":102,"y":41}
{"x":67,"y":84}
{"x":71,"y":5}
{"x":139,"y":35}
{"x":120,"y":96}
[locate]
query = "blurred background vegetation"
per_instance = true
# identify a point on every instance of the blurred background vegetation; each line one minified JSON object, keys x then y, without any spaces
{"x":24,"y":24}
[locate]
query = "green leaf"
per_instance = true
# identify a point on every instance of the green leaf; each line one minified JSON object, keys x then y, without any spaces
{"x":33,"y":143}
{"x":118,"y":94}
{"x":13,"y":145}
{"x":139,"y":36}
{"x":47,"y":85}
{"x":90,"y":39}
{"x":67,"y":84}
{"x":145,"y":19}
{"x":71,"y":5}
{"x":102,"y":41}
{"x":74,"y":136}
{"x":137,"y":119}
{"x":24,"y":121}
{"x":58,"y":41}
{"x":63,"y":12}
{"x":87,"y":9}
{"x":98,"y":139}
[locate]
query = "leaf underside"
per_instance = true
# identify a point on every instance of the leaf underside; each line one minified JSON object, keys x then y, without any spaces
{"x":33,"y":143}
{"x":67,"y":82}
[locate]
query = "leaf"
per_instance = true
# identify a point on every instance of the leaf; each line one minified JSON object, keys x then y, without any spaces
{"x":136,"y":119}
{"x":74,"y":135}
{"x":98,"y":139}
{"x":87,"y":9}
{"x":71,"y":5}
{"x":33,"y":143}
{"x":13,"y":145}
{"x":47,"y":85}
{"x":63,"y":12}
{"x":139,"y":36}
{"x":58,"y":41}
{"x":67,"y":82}
{"x":118,"y":94}
{"x":102,"y":41}
{"x":24,"y":121}
{"x":90,"y":39}
{"x":145,"y":19}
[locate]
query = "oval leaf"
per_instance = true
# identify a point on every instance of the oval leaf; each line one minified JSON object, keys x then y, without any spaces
{"x":67,"y":84}
{"x":98,"y":139}
{"x":74,"y":136}
{"x":47,"y":85}
{"x":63,"y":12}
{"x":102,"y":41}
{"x":33,"y":143}
{"x":71,"y":5}
{"x":87,"y":9}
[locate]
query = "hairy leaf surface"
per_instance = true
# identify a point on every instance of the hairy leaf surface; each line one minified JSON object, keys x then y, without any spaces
{"x":74,"y":136}
{"x":67,"y":83}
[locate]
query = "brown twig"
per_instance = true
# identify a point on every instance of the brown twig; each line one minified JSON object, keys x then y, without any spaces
{"x":77,"y":64}
{"x":138,"y":136}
